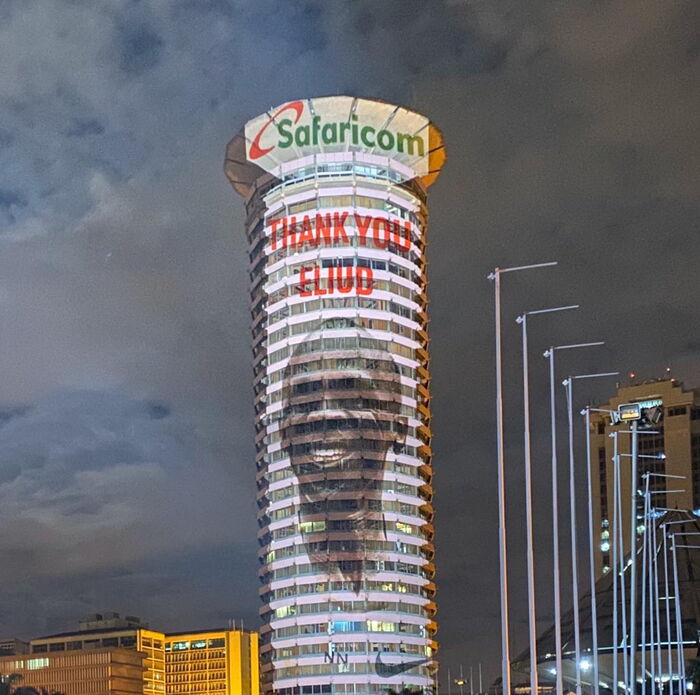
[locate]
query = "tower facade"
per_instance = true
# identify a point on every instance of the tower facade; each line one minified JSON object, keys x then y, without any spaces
{"x":335,"y":195}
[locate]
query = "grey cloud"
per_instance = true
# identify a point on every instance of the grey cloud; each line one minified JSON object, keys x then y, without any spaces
{"x":570,"y":132}
{"x":80,"y":127}
{"x":85,"y":473}
{"x":139,"y":47}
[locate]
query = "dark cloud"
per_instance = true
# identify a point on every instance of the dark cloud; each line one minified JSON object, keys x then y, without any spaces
{"x":139,"y":47}
{"x":80,"y":127}
{"x":571,"y":135}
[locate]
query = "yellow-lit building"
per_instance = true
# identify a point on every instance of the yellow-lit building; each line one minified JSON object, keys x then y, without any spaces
{"x":221,"y":662}
{"x":110,"y":631}
{"x":92,"y":672}
{"x":675,"y":441}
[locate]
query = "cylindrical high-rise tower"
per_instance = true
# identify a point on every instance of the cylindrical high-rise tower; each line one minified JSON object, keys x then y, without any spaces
{"x":335,"y":191}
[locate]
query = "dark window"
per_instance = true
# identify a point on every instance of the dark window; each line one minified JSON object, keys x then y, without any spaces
{"x":678,"y":410}
{"x":602,"y":472}
{"x":695,"y":467}
{"x":57,"y":647}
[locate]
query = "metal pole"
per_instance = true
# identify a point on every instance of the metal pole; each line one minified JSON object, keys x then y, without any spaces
{"x":667,"y":601}
{"x":615,"y":568}
{"x":633,"y":558}
{"x":650,"y":580}
{"x":481,"y":685}
{"x":532,"y":619}
{"x":471,"y":680}
{"x":657,"y":609}
{"x":502,"y":548}
{"x":679,"y":624}
{"x":574,"y":546}
{"x":555,"y":527}
{"x":591,"y":558}
{"x":502,"y":551}
{"x":645,"y":543}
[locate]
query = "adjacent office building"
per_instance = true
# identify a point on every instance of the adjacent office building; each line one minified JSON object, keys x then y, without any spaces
{"x":109,"y":630}
{"x":102,"y":671}
{"x":676,"y":442}
{"x":205,"y":662}
{"x":335,"y":194}
{"x":212,"y":662}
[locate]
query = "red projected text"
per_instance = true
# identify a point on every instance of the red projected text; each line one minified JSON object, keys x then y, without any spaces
{"x":312,"y":231}
{"x":315,"y":281}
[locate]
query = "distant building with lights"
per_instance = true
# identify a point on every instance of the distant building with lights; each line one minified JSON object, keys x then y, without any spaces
{"x":103,"y":671}
{"x":335,"y":192}
{"x":13,"y":646}
{"x":109,"y":630}
{"x":206,"y":662}
{"x":676,"y":437}
{"x":212,"y":662}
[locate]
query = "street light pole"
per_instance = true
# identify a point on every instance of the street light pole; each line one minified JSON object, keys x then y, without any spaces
{"x":633,"y":559}
{"x":568,"y":385}
{"x":532,"y":617}
{"x":502,"y":549}
{"x":549,"y":354}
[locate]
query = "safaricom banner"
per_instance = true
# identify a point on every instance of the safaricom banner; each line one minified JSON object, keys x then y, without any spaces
{"x":337,"y":124}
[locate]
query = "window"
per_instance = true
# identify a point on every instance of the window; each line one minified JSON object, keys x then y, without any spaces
{"x":678,"y":410}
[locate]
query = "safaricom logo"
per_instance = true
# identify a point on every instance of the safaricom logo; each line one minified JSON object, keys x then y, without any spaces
{"x":284,"y":126}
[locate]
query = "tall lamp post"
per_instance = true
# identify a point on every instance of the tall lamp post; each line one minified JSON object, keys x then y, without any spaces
{"x":502,"y":550}
{"x":532,"y":616}
{"x":569,"y":386}
{"x":549,"y":354}
{"x":586,"y":412}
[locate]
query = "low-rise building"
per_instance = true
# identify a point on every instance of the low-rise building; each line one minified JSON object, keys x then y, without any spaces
{"x":82,"y":672}
{"x":212,"y":662}
{"x":109,"y":631}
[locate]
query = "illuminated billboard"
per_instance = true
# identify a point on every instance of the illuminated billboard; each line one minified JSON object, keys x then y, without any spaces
{"x":338,"y":124}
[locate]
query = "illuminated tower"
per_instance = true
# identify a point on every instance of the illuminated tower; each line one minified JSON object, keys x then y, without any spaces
{"x":335,"y":192}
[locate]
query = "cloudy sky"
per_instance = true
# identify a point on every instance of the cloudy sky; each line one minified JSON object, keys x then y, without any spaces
{"x":126,"y":459}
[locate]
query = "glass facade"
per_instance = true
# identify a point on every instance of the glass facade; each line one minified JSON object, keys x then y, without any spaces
{"x":342,"y":420}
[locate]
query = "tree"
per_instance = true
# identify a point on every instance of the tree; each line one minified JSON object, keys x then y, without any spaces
{"x":7,"y":681}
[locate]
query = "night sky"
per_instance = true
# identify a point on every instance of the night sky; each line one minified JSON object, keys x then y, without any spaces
{"x":126,"y":435}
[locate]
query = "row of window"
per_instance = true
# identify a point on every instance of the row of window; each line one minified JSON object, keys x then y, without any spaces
{"x":317,"y":406}
{"x":332,"y":547}
{"x":345,"y":525}
{"x":347,"y":607}
{"x":351,"y":648}
{"x":343,"y":567}
{"x":350,"y":342}
{"x":343,"y":585}
{"x":297,"y":387}
{"x":342,"y":505}
{"x":352,"y":302}
{"x":359,"y":362}
{"x":340,"y":203}
{"x":358,"y":464}
{"x":322,"y":283}
{"x":319,"y":489}
{"x":347,"y":262}
{"x":335,"y":626}
{"x":338,"y":667}
{"x":413,"y":255}
{"x":309,"y":327}
{"x":217,"y":642}
{"x":309,"y":449}
{"x":350,"y":689}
